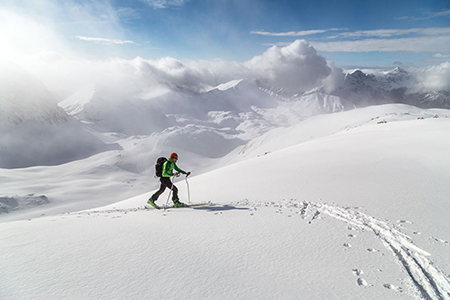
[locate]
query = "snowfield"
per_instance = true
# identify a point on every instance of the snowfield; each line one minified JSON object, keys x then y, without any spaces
{"x":350,"y":205}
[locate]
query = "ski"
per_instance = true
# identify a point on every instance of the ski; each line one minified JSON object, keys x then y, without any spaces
{"x":198,"y":204}
{"x":148,"y":207}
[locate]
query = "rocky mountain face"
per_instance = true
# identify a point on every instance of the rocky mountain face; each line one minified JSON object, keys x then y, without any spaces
{"x":438,"y":99}
{"x":389,"y":87}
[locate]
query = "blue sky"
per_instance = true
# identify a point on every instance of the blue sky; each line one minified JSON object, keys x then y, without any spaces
{"x":360,"y":33}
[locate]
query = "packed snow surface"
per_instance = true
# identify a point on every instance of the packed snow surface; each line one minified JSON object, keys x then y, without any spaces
{"x":350,"y":205}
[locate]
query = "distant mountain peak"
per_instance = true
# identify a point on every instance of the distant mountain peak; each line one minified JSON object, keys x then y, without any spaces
{"x":228,"y":85}
{"x":75,"y":103}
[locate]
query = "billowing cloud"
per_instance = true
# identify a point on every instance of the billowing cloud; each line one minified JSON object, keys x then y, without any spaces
{"x":335,"y":79}
{"x":433,"y":78}
{"x":296,"y":67}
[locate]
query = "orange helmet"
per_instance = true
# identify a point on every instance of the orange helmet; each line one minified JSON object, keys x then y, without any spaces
{"x":173,"y":155}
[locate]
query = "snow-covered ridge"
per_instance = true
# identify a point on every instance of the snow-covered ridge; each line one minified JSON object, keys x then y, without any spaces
{"x":395,"y":86}
{"x":75,"y":103}
{"x":228,"y":85}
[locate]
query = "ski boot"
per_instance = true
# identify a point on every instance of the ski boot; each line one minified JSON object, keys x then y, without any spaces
{"x":177,"y":203}
{"x":152,"y":203}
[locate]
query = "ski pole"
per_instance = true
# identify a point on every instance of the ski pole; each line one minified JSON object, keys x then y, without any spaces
{"x":189,"y":194}
{"x":167,"y":202}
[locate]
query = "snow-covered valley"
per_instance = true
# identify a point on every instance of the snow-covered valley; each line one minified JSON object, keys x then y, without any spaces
{"x":352,"y":205}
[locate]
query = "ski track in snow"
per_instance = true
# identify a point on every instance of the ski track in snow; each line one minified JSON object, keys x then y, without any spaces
{"x":428,"y":279}
{"x":431,"y":282}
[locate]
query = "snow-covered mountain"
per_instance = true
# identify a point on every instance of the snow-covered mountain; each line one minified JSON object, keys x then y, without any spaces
{"x":313,"y":195}
{"x":350,"y":205}
{"x":316,"y":102}
{"x":33,"y":129}
{"x":395,"y":86}
{"x":430,"y":99}
{"x":233,"y":112}
{"x":105,"y":111}
{"x":130,"y":114}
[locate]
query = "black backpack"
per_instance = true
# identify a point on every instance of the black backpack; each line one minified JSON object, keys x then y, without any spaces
{"x":159,"y":166}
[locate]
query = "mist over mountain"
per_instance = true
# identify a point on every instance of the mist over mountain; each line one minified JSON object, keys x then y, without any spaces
{"x":171,"y":101}
{"x":34,"y":130}
{"x":258,"y":148}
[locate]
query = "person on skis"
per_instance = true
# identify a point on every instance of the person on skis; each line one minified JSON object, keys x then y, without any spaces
{"x":167,"y":172}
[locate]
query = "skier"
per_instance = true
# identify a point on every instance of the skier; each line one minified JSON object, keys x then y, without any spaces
{"x":167,"y":172}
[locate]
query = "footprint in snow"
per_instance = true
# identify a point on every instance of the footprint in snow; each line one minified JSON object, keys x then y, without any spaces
{"x":404,"y":222}
{"x":361,"y":282}
{"x":357,"y":272}
{"x":392,"y":287}
{"x":434,"y":239}
{"x":316,"y":215}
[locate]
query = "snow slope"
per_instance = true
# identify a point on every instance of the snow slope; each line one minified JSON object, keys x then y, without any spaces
{"x":352,"y":205}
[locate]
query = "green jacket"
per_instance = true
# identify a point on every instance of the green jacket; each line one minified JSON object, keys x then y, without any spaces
{"x":168,"y":167}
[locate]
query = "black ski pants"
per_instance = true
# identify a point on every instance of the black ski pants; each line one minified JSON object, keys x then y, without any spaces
{"x":165,"y":183}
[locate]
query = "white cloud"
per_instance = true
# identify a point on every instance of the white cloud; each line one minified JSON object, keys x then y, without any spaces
{"x":433,"y":78}
{"x":104,"y":40}
{"x":433,"y":39}
{"x":428,"y":15}
{"x":296,"y":67}
{"x":335,"y":79}
{"x":445,"y":13}
{"x":295,"y":33}
{"x":164,"y":3}
{"x":128,"y":13}
{"x":433,"y":31}
{"x":440,"y":55}
{"x":290,"y":33}
{"x":412,"y":44}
